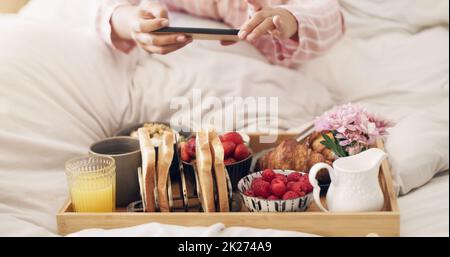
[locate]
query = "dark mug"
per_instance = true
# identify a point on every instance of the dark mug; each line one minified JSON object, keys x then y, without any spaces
{"x":127,"y":155}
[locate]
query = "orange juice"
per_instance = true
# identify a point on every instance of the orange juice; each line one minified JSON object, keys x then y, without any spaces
{"x":93,"y":196}
{"x":92,"y":183}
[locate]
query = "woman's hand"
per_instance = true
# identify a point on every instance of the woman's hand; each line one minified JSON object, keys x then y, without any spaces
{"x":267,"y":20}
{"x":138,"y":23}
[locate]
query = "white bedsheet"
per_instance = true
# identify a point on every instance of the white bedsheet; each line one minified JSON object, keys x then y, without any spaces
{"x":54,"y":104}
{"x":424,"y":212}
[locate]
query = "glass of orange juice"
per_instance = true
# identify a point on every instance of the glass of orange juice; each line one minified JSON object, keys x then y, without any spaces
{"x":92,"y":183}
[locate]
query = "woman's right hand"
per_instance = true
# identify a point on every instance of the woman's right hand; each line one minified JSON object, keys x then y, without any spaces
{"x":141,"y":22}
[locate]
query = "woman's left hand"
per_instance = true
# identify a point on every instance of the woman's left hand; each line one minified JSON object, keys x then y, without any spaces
{"x":274,"y":21}
{"x":267,"y":20}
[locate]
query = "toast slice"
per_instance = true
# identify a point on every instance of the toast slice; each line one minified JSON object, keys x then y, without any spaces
{"x":217,"y":153}
{"x":165,"y":157}
{"x":204,"y":171}
{"x":148,"y":170}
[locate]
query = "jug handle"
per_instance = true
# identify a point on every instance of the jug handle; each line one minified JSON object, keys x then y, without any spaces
{"x":312,"y":178}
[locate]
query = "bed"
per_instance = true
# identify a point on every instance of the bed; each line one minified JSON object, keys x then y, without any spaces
{"x":59,"y":93}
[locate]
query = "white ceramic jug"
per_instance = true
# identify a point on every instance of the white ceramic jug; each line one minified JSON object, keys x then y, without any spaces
{"x":354,"y":183}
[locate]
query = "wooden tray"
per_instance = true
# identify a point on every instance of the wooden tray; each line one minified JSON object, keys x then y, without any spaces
{"x":383,"y":223}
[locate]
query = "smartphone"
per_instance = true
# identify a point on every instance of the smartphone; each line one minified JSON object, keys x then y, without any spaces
{"x":203,"y":33}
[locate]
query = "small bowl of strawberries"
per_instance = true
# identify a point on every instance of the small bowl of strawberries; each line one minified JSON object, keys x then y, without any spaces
{"x":276,"y":191}
{"x":237,"y":155}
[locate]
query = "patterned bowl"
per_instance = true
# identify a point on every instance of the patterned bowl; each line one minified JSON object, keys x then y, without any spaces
{"x":256,"y":204}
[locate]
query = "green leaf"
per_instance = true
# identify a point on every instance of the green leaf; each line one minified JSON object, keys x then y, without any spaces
{"x":334,"y":146}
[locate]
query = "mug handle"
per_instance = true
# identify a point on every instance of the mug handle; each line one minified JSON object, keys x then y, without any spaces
{"x":312,"y":178}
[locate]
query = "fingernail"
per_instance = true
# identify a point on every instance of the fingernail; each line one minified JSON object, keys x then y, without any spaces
{"x":165,"y":23}
{"x":181,"y":39}
{"x":242,"y":34}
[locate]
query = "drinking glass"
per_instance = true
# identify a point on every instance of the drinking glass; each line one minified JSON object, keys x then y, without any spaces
{"x":92,"y":183}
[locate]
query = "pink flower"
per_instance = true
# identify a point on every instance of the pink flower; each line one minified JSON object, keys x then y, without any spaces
{"x":353,"y":126}
{"x":356,"y":149}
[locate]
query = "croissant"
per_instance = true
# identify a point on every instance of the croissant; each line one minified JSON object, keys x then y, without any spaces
{"x":293,"y":155}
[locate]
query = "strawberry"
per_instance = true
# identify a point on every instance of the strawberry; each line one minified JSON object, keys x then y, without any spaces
{"x":191,"y":147}
{"x":233,"y":137}
{"x":261,"y":189}
{"x":273,"y":197}
{"x":241,"y":152}
{"x":294,"y":176}
{"x":228,"y":148}
{"x":278,"y":187}
{"x":268,"y":175}
{"x":290,"y":195}
{"x":229,"y":161}
{"x":282,"y":177}
{"x":185,"y":156}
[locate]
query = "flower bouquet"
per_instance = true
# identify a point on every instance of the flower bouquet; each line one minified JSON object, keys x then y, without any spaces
{"x":350,"y":129}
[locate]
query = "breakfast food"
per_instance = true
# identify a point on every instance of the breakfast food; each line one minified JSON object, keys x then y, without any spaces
{"x":234,"y":148}
{"x":148,"y":175}
{"x":234,"y":137}
{"x":204,"y":171}
{"x":155,"y":131}
{"x":241,"y":152}
{"x":293,"y":155}
{"x":272,"y":191}
{"x":217,"y":152}
{"x":165,"y":157}
{"x":272,"y":186}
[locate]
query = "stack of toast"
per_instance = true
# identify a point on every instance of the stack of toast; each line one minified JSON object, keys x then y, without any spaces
{"x":213,"y":184}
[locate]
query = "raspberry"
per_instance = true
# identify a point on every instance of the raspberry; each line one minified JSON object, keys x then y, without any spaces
{"x":256,"y":180}
{"x":290,"y":195}
{"x":278,"y":187}
{"x":249,"y":193}
{"x":261,"y":188}
{"x":297,"y":187}
{"x":307,"y":187}
{"x":304,"y":179}
{"x":294,"y":176}
{"x":289,"y":185}
{"x":273,"y":197}
{"x":282,"y":177}
{"x":268,"y":175}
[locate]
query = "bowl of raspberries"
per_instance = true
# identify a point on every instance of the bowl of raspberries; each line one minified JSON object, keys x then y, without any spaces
{"x":276,"y":191}
{"x":237,"y":155}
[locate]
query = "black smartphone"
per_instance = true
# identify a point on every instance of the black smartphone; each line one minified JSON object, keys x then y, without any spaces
{"x":203,"y":33}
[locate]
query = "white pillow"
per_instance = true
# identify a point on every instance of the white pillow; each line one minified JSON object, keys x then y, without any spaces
{"x":370,"y":17}
{"x":418,"y":146}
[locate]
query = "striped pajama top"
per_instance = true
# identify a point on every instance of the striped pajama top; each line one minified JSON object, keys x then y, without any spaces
{"x":320,"y":25}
